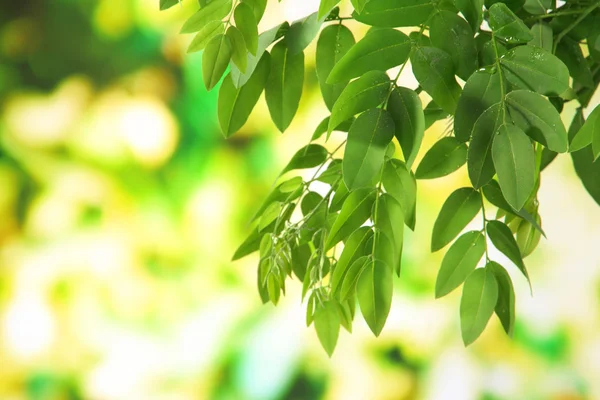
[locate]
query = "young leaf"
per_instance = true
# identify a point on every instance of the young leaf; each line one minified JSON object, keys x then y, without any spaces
{"x":505,"y":306}
{"x":374,"y":291}
{"x":215,"y":60}
{"x":354,"y":248}
{"x":368,"y":91}
{"x":273,"y":288}
{"x":215,"y":10}
{"x":506,"y":25}
{"x":542,"y":36}
{"x":284,"y":86}
{"x":333,"y":44}
{"x":327,"y":325}
{"x":453,"y":34}
{"x":238,"y":48}
{"x":481,"y":91}
{"x":389,"y":220}
{"x":236,"y":104}
{"x":302,"y":33}
{"x":394,"y":13}
{"x":458,"y":263}
{"x":210,"y":30}
{"x":245,"y":20}
{"x":479,"y":156}
{"x":479,"y":298}
{"x":459,"y":209}
{"x":379,"y":50}
{"x":402,"y":185}
{"x":538,"y":118}
{"x":406,"y":110}
{"x":434,"y":70}
{"x":444,"y":157}
{"x":472,"y":10}
{"x":368,"y":138}
{"x":355,"y":211}
{"x":502,"y":239}
{"x":534,"y":68}
{"x":307,"y":157}
{"x":514,"y":160}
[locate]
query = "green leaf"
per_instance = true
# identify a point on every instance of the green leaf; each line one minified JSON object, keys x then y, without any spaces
{"x":348,"y":288}
{"x":355,"y":211}
{"x":588,"y":171}
{"x":459,"y":262}
{"x":406,"y":110}
{"x":166,"y":4}
{"x":444,"y":157}
{"x":258,"y":7}
{"x":402,"y":185}
{"x":307,"y":157}
{"x":354,"y":248}
{"x":215,"y":60}
{"x":333,"y":44}
{"x":368,"y":91}
{"x":284,"y":86}
{"x":502,"y":239}
{"x":238,"y":48}
{"x":236,"y":104}
{"x":210,"y":30}
{"x":590,"y":130}
{"x":359,"y":4}
{"x":379,"y":50}
{"x":324,"y":125}
{"x":327,"y":325}
{"x":479,"y":298}
{"x":433,"y":113}
{"x":325,"y":7}
{"x":479,"y":157}
{"x":249,"y":246}
{"x":538,"y":7}
{"x":310,"y":309}
{"x":481,"y":91}
{"x":453,"y":34}
{"x":215,"y":10}
{"x":459,"y":209}
{"x":270,"y":215}
{"x":538,"y":118}
{"x":472,"y":10}
{"x":542,"y":36}
{"x":245,"y":20}
{"x":374,"y":291}
{"x":514,"y":160}
{"x":505,"y":305}
{"x":528,"y":237}
{"x":365,"y":150}
{"x":434,"y":70}
{"x":277,"y":195}
{"x":395,"y":13}
{"x":569,"y":52}
{"x":506,"y":25}
{"x":389,"y":220}
{"x":534,"y":68}
{"x":302,"y":33}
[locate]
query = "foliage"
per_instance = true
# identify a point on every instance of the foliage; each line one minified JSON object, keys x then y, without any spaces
{"x":521,"y":61}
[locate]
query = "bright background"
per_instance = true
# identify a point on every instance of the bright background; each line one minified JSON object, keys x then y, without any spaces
{"x":121,"y":205}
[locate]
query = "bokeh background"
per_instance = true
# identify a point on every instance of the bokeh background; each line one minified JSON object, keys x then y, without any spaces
{"x":121,"y":205}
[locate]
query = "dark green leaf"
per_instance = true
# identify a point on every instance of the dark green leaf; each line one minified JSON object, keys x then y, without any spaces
{"x":355,"y":211}
{"x":538,"y":7}
{"x":459,"y":209}
{"x":472,"y":10}
{"x":406,"y":110}
{"x":302,"y":33}
{"x":506,"y":25}
{"x":354,"y":248}
{"x":389,"y":220}
{"x":505,"y":306}
{"x":453,"y":34}
{"x":502,"y":239}
{"x":374,"y":291}
{"x":395,"y":13}
{"x":569,"y":52}
{"x":479,"y":298}
{"x":402,"y":185}
{"x":444,"y":157}
{"x":542,"y":36}
{"x":479,"y":157}
{"x":588,"y":171}
{"x":590,"y":129}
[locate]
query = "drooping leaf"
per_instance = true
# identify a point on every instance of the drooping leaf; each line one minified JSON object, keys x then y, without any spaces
{"x":238,"y":48}
{"x":348,"y":287}
{"x":536,"y":116}
{"x":327,"y":325}
{"x":481,"y":91}
{"x":402,"y":185}
{"x":479,"y":156}
{"x":389,"y":220}
{"x":270,"y":215}
{"x":514,"y":160}
{"x":395,"y":13}
{"x":334,"y":42}
{"x":379,"y":50}
{"x":215,"y":60}
{"x":284,"y":86}
{"x":533,"y":68}
{"x":236,"y":104}
{"x":444,"y":157}
{"x":245,"y":20}
{"x":354,"y":248}
{"x":458,"y":263}
{"x":368,"y":138}
{"x":453,"y":34}
{"x":506,"y":25}
{"x":472,"y":10}
{"x":215,"y":10}
{"x":505,"y":305}
{"x":374,"y":291}
{"x":459,"y":209}
{"x":309,"y":156}
{"x":588,"y":171}
{"x":434,"y":70}
{"x":367,"y":92}
{"x":302,"y":33}
{"x":355,"y":211}
{"x":590,"y":130}
{"x":210,"y":30}
{"x":479,"y":298}
{"x":502,"y":239}
{"x":406,"y":110}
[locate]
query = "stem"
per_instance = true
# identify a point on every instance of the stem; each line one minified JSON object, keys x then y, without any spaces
{"x":568,"y":29}
{"x":485,"y":220}
{"x":502,"y":89}
{"x":552,"y":15}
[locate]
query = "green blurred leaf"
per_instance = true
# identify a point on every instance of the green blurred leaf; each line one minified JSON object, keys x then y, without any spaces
{"x":210,"y":30}
{"x":245,"y":21}
{"x":394,"y":13}
{"x":215,"y":60}
{"x":479,"y":298}
{"x":238,"y":48}
{"x":402,"y":185}
{"x":327,"y":325}
{"x":307,"y":157}
{"x":374,"y":291}
{"x":213,"y":11}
